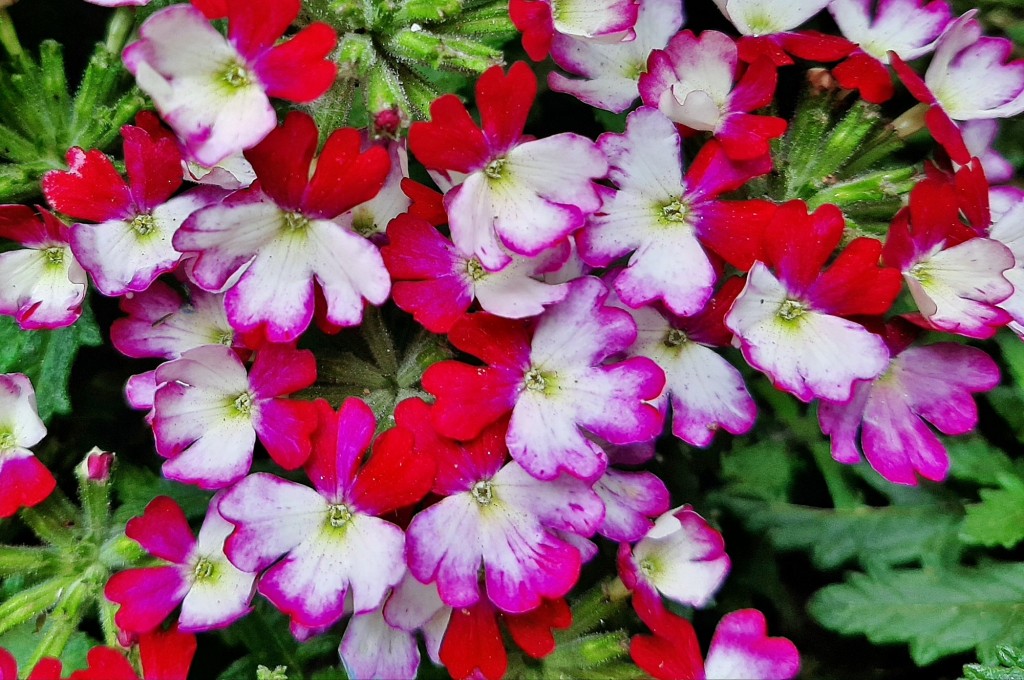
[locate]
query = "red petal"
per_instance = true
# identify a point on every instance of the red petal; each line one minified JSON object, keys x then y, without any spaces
{"x":154,"y":167}
{"x":713,"y":172}
{"x":868,"y":75}
{"x":282,"y":159}
{"x":756,"y":88}
{"x":427,"y":204}
{"x":435,"y":304}
{"x":451,"y":140}
{"x":48,"y":668}
{"x":473,"y":644}
{"x":735,"y":230}
{"x":797,"y":244}
{"x":105,"y":664}
{"x":972,"y":189}
{"x":146,"y":596}
{"x":673,"y":653}
{"x":913,"y":82}
{"x":255,"y":25}
{"x":285,"y":427}
{"x":344,"y":176}
{"x":708,"y":325}
{"x":745,"y":136}
{"x":162,"y":530}
{"x":533,"y":19}
{"x":281,"y":369}
{"x":298,"y":70}
{"x":532,"y":630}
{"x":492,"y":393}
{"x":212,"y":9}
{"x":752,"y":48}
{"x":814,"y":46}
{"x":947,"y":134}
{"x":855,"y":285}
{"x":166,"y":655}
{"x":496,"y":341}
{"x":397,"y":475}
{"x":504,"y":103}
{"x":935,"y":214}
{"x":8,"y":666}
{"x":20,"y":223}
{"x":24,"y":482}
{"x":90,"y":190}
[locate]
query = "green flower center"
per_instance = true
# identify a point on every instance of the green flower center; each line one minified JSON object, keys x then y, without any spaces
{"x":495,"y":168}
{"x":243,"y":403}
{"x":675,"y":338}
{"x":295,"y":221}
{"x":54,"y":256}
{"x":7,"y":441}
{"x":224,"y":338}
{"x":535,"y":380}
{"x":338,"y":515}
{"x":677,"y":211}
{"x":791,"y":309}
{"x":203,"y":570}
{"x":920,"y":272}
{"x":475,"y":270}
{"x":483,"y":492}
{"x":143,"y":224}
{"x":236,"y":76}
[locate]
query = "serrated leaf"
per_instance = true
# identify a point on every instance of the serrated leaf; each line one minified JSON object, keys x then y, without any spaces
{"x":22,"y":640}
{"x":1011,"y":667}
{"x":46,"y":358}
{"x":885,"y":536}
{"x":937,"y":612}
{"x":763,"y":470}
{"x":972,"y":459}
{"x":998,"y":519}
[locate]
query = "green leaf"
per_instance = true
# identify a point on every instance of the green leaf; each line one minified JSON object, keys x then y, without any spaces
{"x":885,"y":536}
{"x":136,"y":487}
{"x":999,"y":518}
{"x":937,"y":612}
{"x":763,"y":470}
{"x":1011,"y":667}
{"x":972,"y":459}
{"x":23,"y":640}
{"x":46,"y":358}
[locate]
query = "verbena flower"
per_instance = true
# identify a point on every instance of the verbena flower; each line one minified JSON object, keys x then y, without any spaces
{"x":24,"y":481}
{"x":542,"y":20}
{"x":216,"y":94}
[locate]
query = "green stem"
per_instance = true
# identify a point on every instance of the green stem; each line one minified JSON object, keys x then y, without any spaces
{"x":119,"y":28}
{"x":843,"y":496}
{"x":9,"y":38}
{"x":53,"y":520}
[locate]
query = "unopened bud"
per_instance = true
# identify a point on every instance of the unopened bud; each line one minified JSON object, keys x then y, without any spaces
{"x":98,"y":464}
{"x":910,"y":122}
{"x":388,"y":122}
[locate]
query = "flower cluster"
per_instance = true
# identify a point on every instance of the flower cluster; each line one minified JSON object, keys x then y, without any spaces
{"x":595,"y":292}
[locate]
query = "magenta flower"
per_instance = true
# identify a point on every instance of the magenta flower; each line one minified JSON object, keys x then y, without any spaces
{"x":682,"y":557}
{"x":437,"y":282}
{"x":212,"y":592}
{"x":496,"y":516}
{"x":692,"y":82}
{"x":599,"y":20}
{"x":216,"y":93}
{"x":269,"y":243}
{"x":131,"y":244}
{"x":208,"y":412}
{"x":24,"y":481}
{"x":658,"y":217}
{"x":609,"y":71}
{"x":930,"y":383}
{"x":553,"y":378}
{"x":792,"y":324}
{"x":332,"y":536}
{"x":41,"y":285}
{"x":516,"y":193}
{"x":706,"y":392}
{"x":631,"y":498}
{"x":955,"y":276}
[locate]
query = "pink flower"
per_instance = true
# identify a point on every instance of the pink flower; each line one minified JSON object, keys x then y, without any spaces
{"x":658,"y":217}
{"x":682,"y":557}
{"x":269,"y":243}
{"x":332,"y":537}
{"x":131,"y":244}
{"x":553,"y":378}
{"x":437,"y":282}
{"x":692,"y":82}
{"x":930,"y":383}
{"x":212,"y":592}
{"x":792,"y":324}
{"x":909,"y":28}
{"x":496,"y":516}
{"x":955,"y":275}
{"x":706,"y":392}
{"x":515,"y":193}
{"x":214,"y":92}
{"x":41,"y":285}
{"x":208,"y":412}
{"x":24,"y":481}
{"x":740,"y":648}
{"x":599,"y":20}
{"x":610,"y":71}
{"x":767,"y":29}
